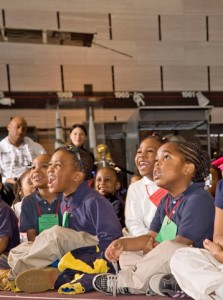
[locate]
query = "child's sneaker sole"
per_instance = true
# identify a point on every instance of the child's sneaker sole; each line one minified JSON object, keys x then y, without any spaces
{"x":37,"y":280}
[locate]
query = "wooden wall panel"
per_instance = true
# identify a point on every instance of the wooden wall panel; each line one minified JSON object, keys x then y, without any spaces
{"x":134,"y":27}
{"x":30,"y":19}
{"x":86,"y":23}
{"x":160,"y":53}
{"x":185,"y":78}
{"x":137,"y":79}
{"x":35,"y":78}
{"x":153,"y":7}
{"x":161,"y":7}
{"x":183,"y":28}
{"x":76,"y":77}
{"x":180,"y":53}
{"x":203,"y":7}
{"x":216,"y":78}
{"x":101,"y":6}
{"x":204,"y":53}
{"x":216,"y":28}
{"x":134,"y":46}
{"x":3,"y":78}
{"x":111,"y":53}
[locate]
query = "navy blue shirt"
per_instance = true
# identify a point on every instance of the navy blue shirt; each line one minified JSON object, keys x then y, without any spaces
{"x":194,"y":216}
{"x":119,"y":207}
{"x":92,"y":213}
{"x":219,"y":194}
{"x":9,"y":225}
{"x":33,"y":206}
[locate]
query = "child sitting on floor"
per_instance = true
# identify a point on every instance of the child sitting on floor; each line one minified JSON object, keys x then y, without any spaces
{"x":143,"y":196}
{"x":41,"y":209}
{"x":22,"y":188}
{"x":108,"y":185}
{"x":184,"y":217}
{"x":89,"y":221}
{"x":199,"y":271}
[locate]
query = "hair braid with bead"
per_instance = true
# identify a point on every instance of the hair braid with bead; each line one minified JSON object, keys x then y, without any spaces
{"x":198,"y":157}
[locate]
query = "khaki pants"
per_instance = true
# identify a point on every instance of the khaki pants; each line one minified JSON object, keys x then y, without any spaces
{"x":48,"y":246}
{"x":136,"y":269}
{"x":198,"y":273}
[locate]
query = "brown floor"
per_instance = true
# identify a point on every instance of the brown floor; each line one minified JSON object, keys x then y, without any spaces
{"x":51,"y":295}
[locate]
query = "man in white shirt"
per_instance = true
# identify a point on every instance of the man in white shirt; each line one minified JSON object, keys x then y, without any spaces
{"x":17,"y":151}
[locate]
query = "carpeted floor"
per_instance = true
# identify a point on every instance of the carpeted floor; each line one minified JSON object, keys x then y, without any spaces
{"x":51,"y":295}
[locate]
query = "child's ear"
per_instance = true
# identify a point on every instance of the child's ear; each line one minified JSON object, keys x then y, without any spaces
{"x":189,"y":169}
{"x":78,"y":176}
{"x":117,"y":185}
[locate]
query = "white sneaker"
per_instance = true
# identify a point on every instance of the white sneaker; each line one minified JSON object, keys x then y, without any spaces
{"x":107,"y":283}
{"x":165,"y":285}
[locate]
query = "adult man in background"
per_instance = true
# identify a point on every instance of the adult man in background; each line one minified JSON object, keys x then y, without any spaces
{"x":17,"y":151}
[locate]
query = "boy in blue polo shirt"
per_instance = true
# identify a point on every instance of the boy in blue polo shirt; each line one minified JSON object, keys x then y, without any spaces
{"x":90,"y":218}
{"x":41,"y":209}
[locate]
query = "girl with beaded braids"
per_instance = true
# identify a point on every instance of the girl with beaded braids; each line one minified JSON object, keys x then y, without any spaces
{"x":184,"y":217}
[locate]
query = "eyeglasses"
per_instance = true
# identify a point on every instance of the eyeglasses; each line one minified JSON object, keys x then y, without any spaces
{"x":74,"y":149}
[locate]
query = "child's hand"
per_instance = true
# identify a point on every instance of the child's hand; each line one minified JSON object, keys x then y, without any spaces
{"x":150,"y":245}
{"x":212,"y":247}
{"x":114,"y":250}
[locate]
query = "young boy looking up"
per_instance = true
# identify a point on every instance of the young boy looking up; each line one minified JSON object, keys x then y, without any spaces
{"x":89,"y":217}
{"x":41,"y":209}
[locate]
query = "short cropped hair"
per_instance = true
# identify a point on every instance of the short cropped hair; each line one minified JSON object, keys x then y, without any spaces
{"x":83,"y":160}
{"x":199,"y":157}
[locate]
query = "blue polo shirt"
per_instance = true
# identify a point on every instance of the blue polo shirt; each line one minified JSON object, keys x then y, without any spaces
{"x":219,"y":194}
{"x":194,"y":215}
{"x":92,"y":213}
{"x":9,"y":225}
{"x":34,"y":206}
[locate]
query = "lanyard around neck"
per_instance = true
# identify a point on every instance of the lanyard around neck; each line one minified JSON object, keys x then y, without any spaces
{"x":39,"y":210}
{"x":174,"y":208}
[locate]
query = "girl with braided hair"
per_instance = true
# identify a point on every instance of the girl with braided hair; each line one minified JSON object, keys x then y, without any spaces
{"x":184,"y":217}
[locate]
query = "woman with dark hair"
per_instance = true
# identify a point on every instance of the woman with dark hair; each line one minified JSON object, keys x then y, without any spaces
{"x":78,"y":136}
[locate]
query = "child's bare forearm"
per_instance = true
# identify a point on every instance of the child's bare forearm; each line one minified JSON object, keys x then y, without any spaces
{"x":135,"y":243}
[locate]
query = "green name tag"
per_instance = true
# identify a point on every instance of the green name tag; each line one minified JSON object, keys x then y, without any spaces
{"x":47,"y":221}
{"x":167,"y":232}
{"x":65,"y":221}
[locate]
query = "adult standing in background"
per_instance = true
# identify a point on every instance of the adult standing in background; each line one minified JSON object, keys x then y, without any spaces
{"x":78,"y":136}
{"x":17,"y":151}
